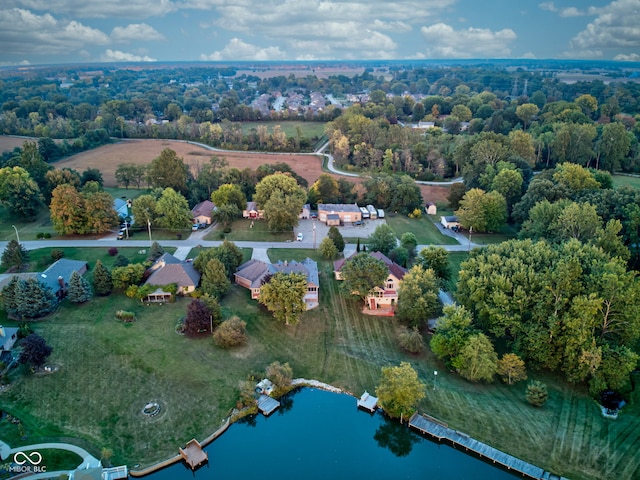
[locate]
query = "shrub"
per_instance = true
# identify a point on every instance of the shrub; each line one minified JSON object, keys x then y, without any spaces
{"x":537,"y":393}
{"x":126,"y":317}
{"x":57,"y":254}
{"x":179,"y":236}
{"x":227,"y":230}
{"x":281,"y":376}
{"x":121,"y":261}
{"x":411,"y":340}
{"x":40,"y":235}
{"x":113,"y":251}
{"x":47,"y":235}
{"x":231,"y":332}
{"x":416,"y":214}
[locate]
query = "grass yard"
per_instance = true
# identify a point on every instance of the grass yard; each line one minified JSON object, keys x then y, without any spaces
{"x":309,"y":130}
{"x":109,"y":371}
{"x":250,"y":231}
{"x":424,"y":229}
{"x":455,"y":259}
{"x":28,"y":228}
{"x":246,"y":253}
{"x":625,"y":181}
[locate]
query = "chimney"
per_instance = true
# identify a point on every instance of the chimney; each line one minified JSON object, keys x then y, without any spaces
{"x":286,"y":262}
{"x":61,"y":281}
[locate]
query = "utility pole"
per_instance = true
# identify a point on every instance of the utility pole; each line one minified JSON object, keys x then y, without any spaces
{"x":435,"y":375}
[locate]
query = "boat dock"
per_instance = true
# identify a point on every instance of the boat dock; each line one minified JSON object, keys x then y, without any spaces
{"x":267,"y":405}
{"x":368,"y":402}
{"x":193,"y":454}
{"x":439,"y":430}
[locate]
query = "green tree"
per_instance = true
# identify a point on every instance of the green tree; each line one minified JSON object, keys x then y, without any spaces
{"x":382,"y":240}
{"x":215,"y":281}
{"x":283,"y":295}
{"x":537,"y":393}
{"x":169,"y":171}
{"x":19,"y":193}
{"x":155,"y":251}
{"x":226,"y":214}
{"x":417,"y":296}
{"x":411,"y":340}
{"x":281,"y":198}
{"x":79,"y":288}
{"x":328,"y":248}
{"x":335,"y":235}
{"x":452,"y":333}
{"x":99,"y":213}
{"x":14,"y":256}
{"x":484,"y":212}
{"x":613,"y":147}
{"x":102,"y":282}
{"x":511,"y":368}
{"x":437,"y":259}
{"x":361,"y":273}
{"x":143,"y":209}
{"x":31,"y":160}
{"x":575,"y":177}
{"x":508,"y":182}
{"x":229,"y":194}
{"x":35,"y":351}
{"x":231,"y":332}
{"x":325,"y":190}
{"x":173,"y":210}
{"x":67,"y":210}
{"x":477,"y":360}
{"x":130,"y":174}
{"x":227,"y":253}
{"x":587,"y":103}
{"x":527,"y":112}
{"x":28,"y":299}
{"x":281,"y":375}
{"x":131,"y":274}
{"x":399,"y":390}
{"x":409,"y":242}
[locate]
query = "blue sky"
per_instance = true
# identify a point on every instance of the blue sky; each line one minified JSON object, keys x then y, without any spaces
{"x":69,"y":31}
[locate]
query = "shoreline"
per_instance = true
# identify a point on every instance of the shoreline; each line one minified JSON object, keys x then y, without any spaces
{"x":230,"y":420}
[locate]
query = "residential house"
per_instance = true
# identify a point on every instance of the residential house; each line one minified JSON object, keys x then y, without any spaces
{"x":384,"y":298}
{"x":252,"y":211}
{"x":451,"y":222}
{"x":57,"y":276}
{"x":252,"y":274}
{"x":168,"y":270}
{"x":346,"y":213}
{"x":305,"y":213}
{"x":8,"y":336}
{"x":202,"y":212}
{"x":123,"y":209}
{"x":431,"y":209}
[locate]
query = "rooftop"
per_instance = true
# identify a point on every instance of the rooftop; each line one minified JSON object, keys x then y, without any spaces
{"x":339,"y":207}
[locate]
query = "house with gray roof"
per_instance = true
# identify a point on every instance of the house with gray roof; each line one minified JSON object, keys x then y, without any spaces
{"x":343,"y":213}
{"x":202,"y":212}
{"x":252,"y":274}
{"x":168,"y":270}
{"x":58,"y":274}
{"x":8,"y":336}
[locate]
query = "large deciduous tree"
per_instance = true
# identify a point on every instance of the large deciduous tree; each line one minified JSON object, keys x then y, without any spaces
{"x":227,"y":253}
{"x":19,"y":193}
{"x":173,"y":210}
{"x":417,"y":296}
{"x":35,"y":351}
{"x":400,"y":390}
{"x":484,"y":212}
{"x":283,"y":295}
{"x":437,"y":259}
{"x":511,"y":368}
{"x":382,"y":240}
{"x":168,"y":171}
{"x":361,"y":273}
{"x":229,"y":194}
{"x":477,"y":359}
{"x":281,"y":198}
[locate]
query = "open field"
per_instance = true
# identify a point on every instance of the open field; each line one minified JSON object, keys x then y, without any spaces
{"x":308,"y":129}
{"x":424,"y":229}
{"x":108,"y":157}
{"x":109,"y":371}
{"x":8,"y":143}
{"x":625,"y":181}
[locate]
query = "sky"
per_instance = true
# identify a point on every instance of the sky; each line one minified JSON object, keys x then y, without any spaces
{"x":71,"y":31}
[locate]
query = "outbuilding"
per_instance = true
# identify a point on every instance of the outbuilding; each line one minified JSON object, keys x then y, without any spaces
{"x":431,"y":209}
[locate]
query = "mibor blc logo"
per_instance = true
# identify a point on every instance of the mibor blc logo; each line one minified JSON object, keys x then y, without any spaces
{"x":27,"y":462}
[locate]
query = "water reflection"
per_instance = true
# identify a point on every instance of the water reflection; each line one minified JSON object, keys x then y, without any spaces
{"x":396,"y":437}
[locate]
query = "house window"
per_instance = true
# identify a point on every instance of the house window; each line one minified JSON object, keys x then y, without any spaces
{"x":389,"y":284}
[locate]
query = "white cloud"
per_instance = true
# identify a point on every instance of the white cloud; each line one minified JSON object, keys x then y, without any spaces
{"x":443,"y":41}
{"x":572,"y":12}
{"x":119,"y":56}
{"x":529,"y":55}
{"x":583,"y":54}
{"x":617,"y":25}
{"x":135,"y":31}
{"x":632,"y":57}
{"x":236,"y":49}
{"x":548,"y":6}
{"x":23,"y":32}
{"x":97,"y":8}
{"x":13,"y":64}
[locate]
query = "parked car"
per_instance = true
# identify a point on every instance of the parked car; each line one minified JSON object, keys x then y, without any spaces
{"x":300,"y":237}
{"x":195,"y":227}
{"x":202,"y":226}
{"x":121,"y":235}
{"x":314,"y":215}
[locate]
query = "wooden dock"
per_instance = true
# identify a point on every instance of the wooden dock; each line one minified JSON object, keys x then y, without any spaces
{"x":267,"y":405}
{"x":440,"y":431}
{"x":193,"y":454}
{"x":368,"y":402}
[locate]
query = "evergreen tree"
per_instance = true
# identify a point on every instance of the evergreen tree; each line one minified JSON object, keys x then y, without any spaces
{"x":14,"y":256}
{"x":102,"y":281}
{"x":358,"y":246}
{"x":31,"y":299}
{"x":9,"y":294}
{"x":155,"y":251}
{"x":537,"y":393}
{"x":79,"y":289}
{"x":328,"y":248}
{"x":335,"y":235}
{"x":121,"y":261}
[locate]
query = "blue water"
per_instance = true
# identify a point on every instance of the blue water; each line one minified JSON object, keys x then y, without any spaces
{"x":321,"y":435}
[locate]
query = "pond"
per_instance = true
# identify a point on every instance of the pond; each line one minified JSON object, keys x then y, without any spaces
{"x":321,"y":435}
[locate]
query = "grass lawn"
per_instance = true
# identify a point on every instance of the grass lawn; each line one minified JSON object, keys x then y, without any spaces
{"x":455,"y":259}
{"x":625,"y":180}
{"x":109,"y":371}
{"x":124,"y":193}
{"x":250,"y":231}
{"x":309,"y":129}
{"x":246,"y":253}
{"x":28,"y":228}
{"x":424,"y":229}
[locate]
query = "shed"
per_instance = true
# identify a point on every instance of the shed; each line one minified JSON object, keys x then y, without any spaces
{"x":431,"y":209}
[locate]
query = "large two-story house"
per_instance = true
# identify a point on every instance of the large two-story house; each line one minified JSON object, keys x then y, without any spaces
{"x":381,"y":299}
{"x":252,"y":274}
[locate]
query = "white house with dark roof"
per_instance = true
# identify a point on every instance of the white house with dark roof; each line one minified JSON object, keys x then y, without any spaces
{"x":252,"y":274}
{"x":168,"y":270}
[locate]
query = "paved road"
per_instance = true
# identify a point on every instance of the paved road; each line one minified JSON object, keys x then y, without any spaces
{"x":88,"y":460}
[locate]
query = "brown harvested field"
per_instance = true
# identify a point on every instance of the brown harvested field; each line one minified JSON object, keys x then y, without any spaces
{"x":108,"y":157}
{"x":7,"y":143}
